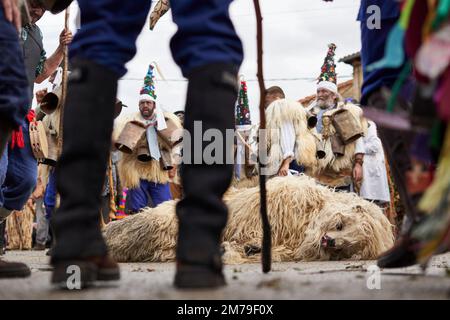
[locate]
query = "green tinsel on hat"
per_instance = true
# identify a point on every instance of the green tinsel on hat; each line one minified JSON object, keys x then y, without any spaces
{"x":148,"y":90}
{"x":242,"y":107}
{"x":328,"y":72}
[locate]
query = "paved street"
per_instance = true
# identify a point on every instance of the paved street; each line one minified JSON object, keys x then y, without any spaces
{"x":303,"y":280}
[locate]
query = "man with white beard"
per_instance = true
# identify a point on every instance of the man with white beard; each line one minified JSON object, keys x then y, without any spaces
{"x":341,"y":163}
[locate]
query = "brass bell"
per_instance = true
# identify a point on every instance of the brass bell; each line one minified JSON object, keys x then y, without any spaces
{"x":130,"y":136}
{"x":143,"y":153}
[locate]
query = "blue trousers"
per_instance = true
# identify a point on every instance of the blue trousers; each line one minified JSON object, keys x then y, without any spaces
{"x":50,"y":195}
{"x":14,"y":94}
{"x":295,"y":166}
{"x":373,"y":46}
{"x":20,"y":169}
{"x":109,"y":29}
{"x":3,"y":169}
{"x":140,"y":197}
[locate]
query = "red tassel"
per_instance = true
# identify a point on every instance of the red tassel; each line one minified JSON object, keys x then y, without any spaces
{"x":17,"y":135}
{"x":30,"y":116}
{"x":17,"y":139}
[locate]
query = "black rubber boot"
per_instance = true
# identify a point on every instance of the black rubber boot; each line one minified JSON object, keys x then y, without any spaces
{"x":88,"y":125}
{"x":202,"y":214}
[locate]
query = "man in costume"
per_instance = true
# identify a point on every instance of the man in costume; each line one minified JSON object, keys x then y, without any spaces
{"x":141,"y":171}
{"x":14,"y":103}
{"x":209,"y":52}
{"x":342,"y":145}
{"x":296,"y":154}
{"x":290,"y":142}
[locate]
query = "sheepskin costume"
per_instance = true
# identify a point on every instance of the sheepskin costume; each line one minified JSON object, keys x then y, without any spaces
{"x":130,"y":169}
{"x":277,"y":113}
{"x":301,"y":214}
{"x":331,"y":164}
{"x":19,"y":228}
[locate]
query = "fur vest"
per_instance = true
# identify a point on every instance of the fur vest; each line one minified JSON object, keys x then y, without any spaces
{"x":277,"y":113}
{"x":335,"y":170}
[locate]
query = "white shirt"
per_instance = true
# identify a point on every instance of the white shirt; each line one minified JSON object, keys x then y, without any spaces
{"x":375,"y":183}
{"x":287,"y":139}
{"x":360,"y":145}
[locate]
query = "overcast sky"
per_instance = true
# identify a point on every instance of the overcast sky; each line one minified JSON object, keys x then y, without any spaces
{"x":296,"y":34}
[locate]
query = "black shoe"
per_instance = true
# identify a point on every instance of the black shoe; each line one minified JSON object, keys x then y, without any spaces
{"x":90,"y":270}
{"x":39,"y":247}
{"x":13,"y":270}
{"x":403,"y":254}
{"x":198,"y":277}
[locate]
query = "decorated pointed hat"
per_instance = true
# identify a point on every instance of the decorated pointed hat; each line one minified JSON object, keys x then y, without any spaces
{"x":148,"y":90}
{"x":327,"y":79}
{"x":242,"y":107}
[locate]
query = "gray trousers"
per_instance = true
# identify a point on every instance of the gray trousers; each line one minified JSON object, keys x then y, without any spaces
{"x":41,"y":222}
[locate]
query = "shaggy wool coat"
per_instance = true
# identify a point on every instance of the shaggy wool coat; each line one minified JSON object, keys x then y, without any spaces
{"x":130,"y":169}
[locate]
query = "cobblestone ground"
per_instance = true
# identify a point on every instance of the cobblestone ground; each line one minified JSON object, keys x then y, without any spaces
{"x":301,"y":280}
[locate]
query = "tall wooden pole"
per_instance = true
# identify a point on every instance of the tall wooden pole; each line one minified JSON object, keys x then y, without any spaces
{"x":64,"y":85}
{"x":266,"y":255}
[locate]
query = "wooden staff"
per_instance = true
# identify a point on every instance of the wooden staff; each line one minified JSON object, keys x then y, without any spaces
{"x":64,"y":85}
{"x":112,"y":192}
{"x":391,"y":210}
{"x":266,"y":255}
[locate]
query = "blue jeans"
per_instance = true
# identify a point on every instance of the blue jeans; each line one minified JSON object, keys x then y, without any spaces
{"x":157,"y":192}
{"x":3,"y":169}
{"x":14,"y":94}
{"x":50,"y":195}
{"x":295,"y":166}
{"x":21,"y":174}
{"x":109,"y":29}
